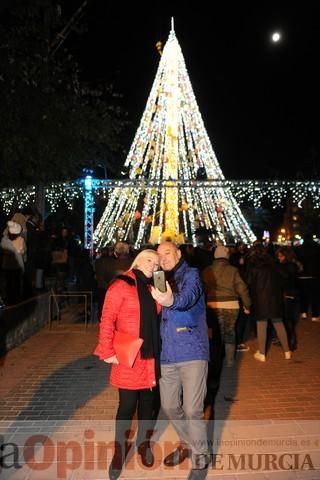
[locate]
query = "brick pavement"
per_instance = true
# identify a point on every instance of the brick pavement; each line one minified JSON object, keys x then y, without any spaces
{"x":52,"y":385}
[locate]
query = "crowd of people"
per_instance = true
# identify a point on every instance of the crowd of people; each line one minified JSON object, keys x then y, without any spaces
{"x":216,"y":296}
{"x":30,"y":254}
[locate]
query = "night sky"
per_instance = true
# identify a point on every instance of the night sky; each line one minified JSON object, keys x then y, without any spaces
{"x":259,"y":100}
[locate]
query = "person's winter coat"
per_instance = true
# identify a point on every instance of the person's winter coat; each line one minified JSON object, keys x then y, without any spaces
{"x":183,"y":329}
{"x":224,"y":283}
{"x":121,"y":311}
{"x":14,"y":252}
{"x":265,"y":287}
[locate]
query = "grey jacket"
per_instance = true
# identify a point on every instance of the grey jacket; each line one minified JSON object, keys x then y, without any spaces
{"x":223,"y":282}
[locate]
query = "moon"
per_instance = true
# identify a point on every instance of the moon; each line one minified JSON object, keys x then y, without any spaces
{"x":276,"y":37}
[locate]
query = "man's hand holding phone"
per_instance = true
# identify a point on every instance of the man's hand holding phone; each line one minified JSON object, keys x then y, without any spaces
{"x":159,"y":281}
{"x":161,"y":292}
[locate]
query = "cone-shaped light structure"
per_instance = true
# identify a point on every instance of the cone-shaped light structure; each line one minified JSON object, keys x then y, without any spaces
{"x":179,"y":187}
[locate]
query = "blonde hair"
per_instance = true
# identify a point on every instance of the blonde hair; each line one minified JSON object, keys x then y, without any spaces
{"x":142,"y":254}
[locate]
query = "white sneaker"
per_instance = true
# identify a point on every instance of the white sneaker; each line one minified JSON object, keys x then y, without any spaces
{"x":242,"y":347}
{"x":259,"y":356}
{"x":287,"y":355}
{"x":315,"y":319}
{"x":304,"y":315}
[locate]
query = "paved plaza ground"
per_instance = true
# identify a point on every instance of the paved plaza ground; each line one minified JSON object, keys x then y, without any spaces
{"x":57,"y":413}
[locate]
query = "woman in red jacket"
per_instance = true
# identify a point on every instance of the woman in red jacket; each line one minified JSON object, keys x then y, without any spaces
{"x":129,"y":308}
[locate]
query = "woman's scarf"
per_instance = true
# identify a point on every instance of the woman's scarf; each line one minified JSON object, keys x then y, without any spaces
{"x":149,"y":321}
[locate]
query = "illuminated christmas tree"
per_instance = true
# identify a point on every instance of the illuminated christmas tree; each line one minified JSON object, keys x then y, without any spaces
{"x":176,"y":187}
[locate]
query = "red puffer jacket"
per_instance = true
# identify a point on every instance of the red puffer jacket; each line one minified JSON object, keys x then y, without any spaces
{"x":121,"y":310}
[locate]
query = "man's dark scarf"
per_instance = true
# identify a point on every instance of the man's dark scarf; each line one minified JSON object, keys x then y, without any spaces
{"x":170,"y":276}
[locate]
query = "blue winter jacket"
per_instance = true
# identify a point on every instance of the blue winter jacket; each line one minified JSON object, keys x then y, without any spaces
{"x":184,"y":332}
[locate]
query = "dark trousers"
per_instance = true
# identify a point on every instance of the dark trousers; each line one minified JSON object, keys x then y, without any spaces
{"x":242,"y":326}
{"x":216,"y":357}
{"x":129,"y":401}
{"x":291,"y":315}
{"x":13,"y":280}
{"x":309,"y":295}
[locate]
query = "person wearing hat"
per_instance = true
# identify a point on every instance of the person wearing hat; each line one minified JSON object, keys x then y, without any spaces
{"x":14,"y":249}
{"x":224,"y":286}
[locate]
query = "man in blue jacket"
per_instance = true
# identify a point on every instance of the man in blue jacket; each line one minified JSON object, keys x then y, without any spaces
{"x":184,"y":358}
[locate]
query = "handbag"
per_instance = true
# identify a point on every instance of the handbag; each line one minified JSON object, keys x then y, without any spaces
{"x":126,"y":348}
{"x":59,"y":256}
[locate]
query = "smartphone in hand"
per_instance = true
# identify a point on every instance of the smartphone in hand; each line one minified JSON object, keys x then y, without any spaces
{"x":159,"y":281}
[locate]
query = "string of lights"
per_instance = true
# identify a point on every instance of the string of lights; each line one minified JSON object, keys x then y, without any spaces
{"x":243,"y":192}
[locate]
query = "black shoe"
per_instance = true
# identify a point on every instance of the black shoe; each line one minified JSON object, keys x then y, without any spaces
{"x":146,"y":454}
{"x":196,"y":474}
{"x":117,"y":462}
{"x":177,"y":456}
{"x":293,"y":344}
{"x":114,"y":470}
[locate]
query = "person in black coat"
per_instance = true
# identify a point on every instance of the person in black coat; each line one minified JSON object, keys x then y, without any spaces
{"x":289,"y":270}
{"x":266,"y":292}
{"x":309,"y":255}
